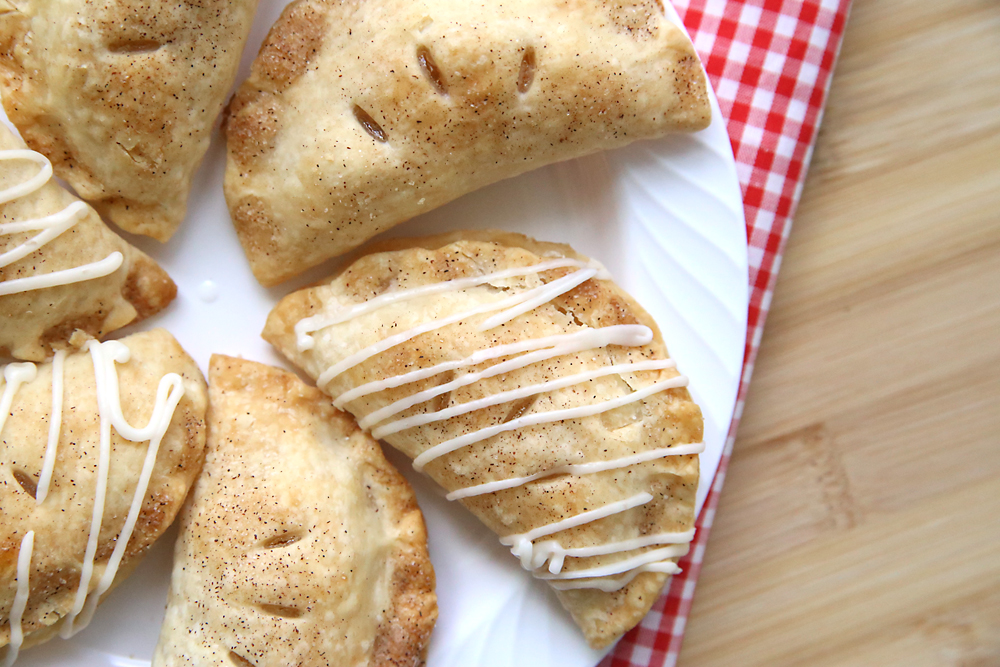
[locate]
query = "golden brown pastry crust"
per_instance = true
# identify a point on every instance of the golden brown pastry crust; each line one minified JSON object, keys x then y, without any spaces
{"x":440,"y":81}
{"x":35,"y":322}
{"x":301,"y":544}
{"x":121,"y":95}
{"x":62,"y":522}
{"x":662,"y":420}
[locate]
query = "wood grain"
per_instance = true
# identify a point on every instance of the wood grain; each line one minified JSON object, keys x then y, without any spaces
{"x":860,"y":521}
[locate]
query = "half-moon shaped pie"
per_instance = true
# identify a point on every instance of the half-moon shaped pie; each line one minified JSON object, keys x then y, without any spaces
{"x":533,"y":389}
{"x":121,"y":95}
{"x":301,"y":544}
{"x":97,"y":452}
{"x":359,"y":116}
{"x":62,"y":270}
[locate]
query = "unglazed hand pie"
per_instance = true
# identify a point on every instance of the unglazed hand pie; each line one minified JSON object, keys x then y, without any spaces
{"x":99,"y":449}
{"x":301,"y":544}
{"x":533,"y":389}
{"x":61,"y":268}
{"x":121,"y":95}
{"x":358,"y":116}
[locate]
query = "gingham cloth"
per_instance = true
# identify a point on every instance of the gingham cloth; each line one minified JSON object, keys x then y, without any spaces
{"x":770,"y":62}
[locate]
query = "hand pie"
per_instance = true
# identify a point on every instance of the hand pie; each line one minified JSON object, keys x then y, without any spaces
{"x":121,"y":95}
{"x":529,"y":386}
{"x":301,"y":544}
{"x":359,"y":116}
{"x":61,"y":268}
{"x":99,"y":449}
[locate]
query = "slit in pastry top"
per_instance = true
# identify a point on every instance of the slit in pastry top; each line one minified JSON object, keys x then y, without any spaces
{"x":169,"y":393}
{"x":544,"y":559}
{"x":49,"y":227}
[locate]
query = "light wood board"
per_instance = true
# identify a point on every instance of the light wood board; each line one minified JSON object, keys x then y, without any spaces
{"x":860,"y":519}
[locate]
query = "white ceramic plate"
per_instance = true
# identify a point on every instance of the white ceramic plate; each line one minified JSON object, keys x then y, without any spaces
{"x":666,"y":218}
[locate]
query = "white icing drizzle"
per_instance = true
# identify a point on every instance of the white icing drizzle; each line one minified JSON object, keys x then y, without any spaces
{"x":55,"y":424}
{"x":50,"y":227}
{"x":105,"y":267}
{"x":610,"y":585}
{"x":578,"y":412}
{"x":522,"y":544}
{"x":20,"y":597}
{"x":554,"y":553}
{"x":628,"y":335}
{"x":549,"y":290}
{"x":523,"y":353}
{"x":310,"y":325}
{"x":516,"y":394}
{"x":586,"y":340}
{"x":579,"y":469}
{"x":168,"y":395}
{"x":645,"y":558}
{"x":534,"y":556}
{"x":96,"y":519}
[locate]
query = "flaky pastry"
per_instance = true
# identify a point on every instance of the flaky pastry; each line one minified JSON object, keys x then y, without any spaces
{"x":97,"y":452}
{"x":358,"y":116}
{"x":121,"y":95}
{"x":301,"y":544}
{"x":533,"y":389}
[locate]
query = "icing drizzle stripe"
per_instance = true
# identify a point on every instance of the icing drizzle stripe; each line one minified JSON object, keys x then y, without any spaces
{"x":628,"y":335}
{"x":55,"y":425}
{"x":20,"y":597}
{"x":515,"y":394}
{"x":587,"y":340}
{"x":552,"y":290}
{"x":50,"y":226}
{"x":521,"y":542}
{"x":309,"y":325}
{"x":611,"y":585}
{"x":579,"y":469}
{"x":449,"y":446}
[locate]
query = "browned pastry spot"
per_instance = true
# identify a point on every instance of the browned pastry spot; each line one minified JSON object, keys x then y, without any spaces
{"x":527,"y":72}
{"x":369,"y":124}
{"x":431,"y":70}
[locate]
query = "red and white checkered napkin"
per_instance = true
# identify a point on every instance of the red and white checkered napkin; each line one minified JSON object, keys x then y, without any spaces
{"x":770,"y":62}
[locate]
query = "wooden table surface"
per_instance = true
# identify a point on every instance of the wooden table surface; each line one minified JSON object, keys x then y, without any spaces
{"x":860,"y":519}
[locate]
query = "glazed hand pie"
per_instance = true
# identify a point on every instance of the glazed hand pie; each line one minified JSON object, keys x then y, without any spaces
{"x":301,"y":544}
{"x":121,"y":95}
{"x":529,"y":386}
{"x":61,"y":268}
{"x":359,"y":116}
{"x":97,"y":451}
